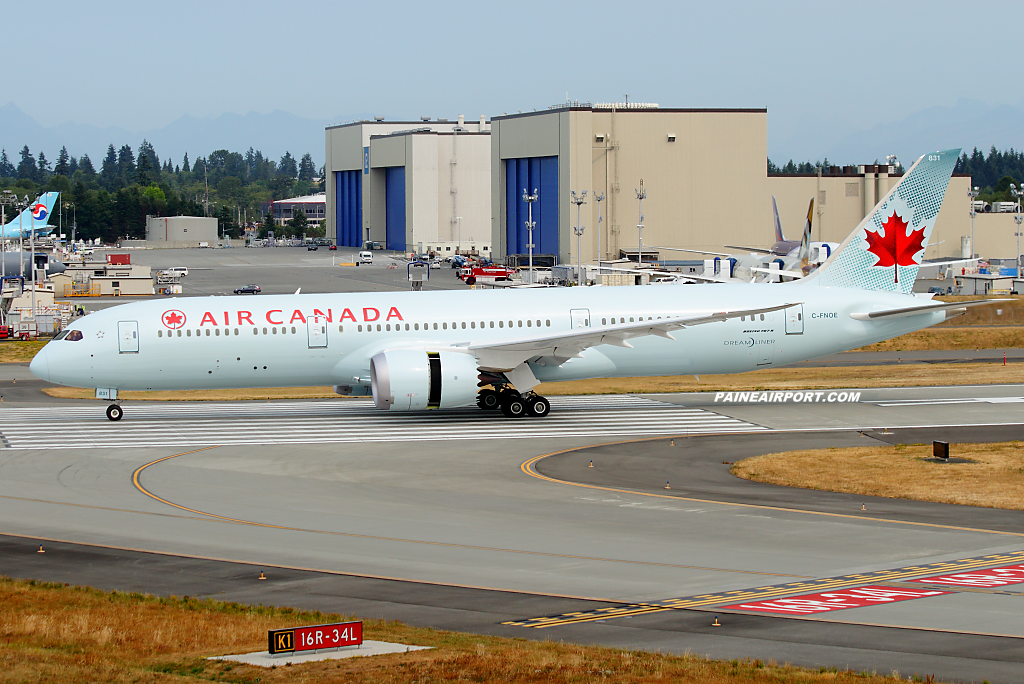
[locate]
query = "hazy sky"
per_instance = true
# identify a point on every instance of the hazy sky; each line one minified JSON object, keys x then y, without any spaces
{"x":850,"y":64}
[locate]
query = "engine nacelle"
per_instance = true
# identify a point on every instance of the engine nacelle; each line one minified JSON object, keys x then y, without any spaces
{"x":413,"y":380}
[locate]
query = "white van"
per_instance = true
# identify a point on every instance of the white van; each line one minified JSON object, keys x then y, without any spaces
{"x":366,"y":257}
{"x":177,"y":270}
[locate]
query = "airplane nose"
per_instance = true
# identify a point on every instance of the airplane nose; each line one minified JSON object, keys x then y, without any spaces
{"x":40,"y":366}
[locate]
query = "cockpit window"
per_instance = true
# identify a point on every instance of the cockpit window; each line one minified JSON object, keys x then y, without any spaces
{"x":61,"y":335}
{"x":74,"y":336}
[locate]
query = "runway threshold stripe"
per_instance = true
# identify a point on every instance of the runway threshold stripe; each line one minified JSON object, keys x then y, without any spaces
{"x":791,"y":589}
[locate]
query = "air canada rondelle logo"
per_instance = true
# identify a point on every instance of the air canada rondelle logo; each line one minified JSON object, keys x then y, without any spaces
{"x":173,"y":319}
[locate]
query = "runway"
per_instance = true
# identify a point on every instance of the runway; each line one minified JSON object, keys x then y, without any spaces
{"x":341,"y":421}
{"x":435,"y":521}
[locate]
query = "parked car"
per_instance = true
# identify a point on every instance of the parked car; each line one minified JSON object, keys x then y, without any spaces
{"x":333,"y":248}
{"x":248,"y":289}
{"x":311,"y":248}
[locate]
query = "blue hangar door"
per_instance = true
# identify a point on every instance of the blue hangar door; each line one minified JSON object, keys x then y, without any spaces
{"x":348,"y":195}
{"x":530,"y":173}
{"x":394,"y":206}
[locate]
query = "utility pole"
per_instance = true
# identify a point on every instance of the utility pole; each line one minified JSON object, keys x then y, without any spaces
{"x":972,"y":194}
{"x":8,"y":198}
{"x":641,"y":195}
{"x":579,"y":201}
{"x":1018,"y":194}
{"x":599,"y":199}
{"x":530,"y":223}
{"x":458,"y":247}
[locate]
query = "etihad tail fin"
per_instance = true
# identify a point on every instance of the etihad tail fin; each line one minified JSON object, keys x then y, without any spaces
{"x":34,"y":218}
{"x":778,"y":224}
{"x":885,"y":251}
{"x":805,"y":242}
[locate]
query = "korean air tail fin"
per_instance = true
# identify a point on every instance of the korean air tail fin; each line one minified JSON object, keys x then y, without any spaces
{"x":885,"y":251}
{"x":36,"y":217}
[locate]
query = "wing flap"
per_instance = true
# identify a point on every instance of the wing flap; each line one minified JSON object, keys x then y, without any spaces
{"x":917,"y":310}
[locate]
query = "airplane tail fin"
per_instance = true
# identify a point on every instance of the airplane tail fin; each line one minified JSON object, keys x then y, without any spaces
{"x":778,"y":224}
{"x":805,"y":242}
{"x":885,"y":251}
{"x":36,"y":217}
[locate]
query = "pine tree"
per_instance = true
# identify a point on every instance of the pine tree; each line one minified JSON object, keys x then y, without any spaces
{"x":85,"y":164}
{"x":184,"y":165}
{"x":27,"y":169}
{"x":146,"y":150}
{"x":142,"y":173}
{"x":125,"y":166}
{"x":108,"y":170}
{"x":307,"y":170}
{"x":7,"y":169}
{"x":287,"y":166}
{"x":72,"y":166}
{"x":63,"y":166}
{"x":44,"y":168}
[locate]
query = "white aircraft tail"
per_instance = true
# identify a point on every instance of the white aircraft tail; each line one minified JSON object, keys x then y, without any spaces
{"x":885,"y":251}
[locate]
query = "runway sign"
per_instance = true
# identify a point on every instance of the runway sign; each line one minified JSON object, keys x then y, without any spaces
{"x":991,"y":577}
{"x":315,"y":637}
{"x":858,"y":597}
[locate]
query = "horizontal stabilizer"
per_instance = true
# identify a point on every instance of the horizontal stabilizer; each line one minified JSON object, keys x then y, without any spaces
{"x":916,"y":310}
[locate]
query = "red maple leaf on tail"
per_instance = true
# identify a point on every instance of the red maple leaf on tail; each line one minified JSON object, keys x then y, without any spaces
{"x":895,"y":248}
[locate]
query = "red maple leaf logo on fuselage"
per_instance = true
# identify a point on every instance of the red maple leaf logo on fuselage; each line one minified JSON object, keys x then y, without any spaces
{"x":896,"y":248}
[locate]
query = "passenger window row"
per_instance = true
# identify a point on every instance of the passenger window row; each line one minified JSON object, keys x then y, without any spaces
{"x":455,"y":325}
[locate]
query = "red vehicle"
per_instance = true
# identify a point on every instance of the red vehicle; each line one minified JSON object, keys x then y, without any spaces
{"x":486,"y":275}
{"x":5,"y":332}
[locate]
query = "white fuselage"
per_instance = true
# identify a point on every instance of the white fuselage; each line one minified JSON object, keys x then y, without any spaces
{"x":275,"y":341}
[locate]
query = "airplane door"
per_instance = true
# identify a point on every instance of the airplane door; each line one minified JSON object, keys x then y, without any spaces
{"x":580,"y":318}
{"x":128,"y":337}
{"x":795,"y":320}
{"x":316,"y":330}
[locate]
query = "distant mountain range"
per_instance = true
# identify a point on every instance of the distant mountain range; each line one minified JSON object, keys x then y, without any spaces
{"x":967,"y":124}
{"x":273,"y":134}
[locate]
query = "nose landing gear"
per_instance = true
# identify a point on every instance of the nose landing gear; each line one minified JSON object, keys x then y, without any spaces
{"x":114,"y":412}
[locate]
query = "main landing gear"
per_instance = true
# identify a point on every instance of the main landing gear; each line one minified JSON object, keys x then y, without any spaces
{"x":513,"y":404}
{"x":114,"y":412}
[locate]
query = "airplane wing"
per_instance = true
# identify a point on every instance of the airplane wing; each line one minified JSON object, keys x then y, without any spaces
{"x":674,"y":274}
{"x":915,"y":310}
{"x":694,"y":251}
{"x":760,"y":250}
{"x":786,"y":274}
{"x":555,"y":349}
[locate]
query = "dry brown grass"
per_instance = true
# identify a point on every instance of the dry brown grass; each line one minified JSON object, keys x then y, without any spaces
{"x":16,"y":351}
{"x":55,"y":633}
{"x":994,"y":478}
{"x":953,"y":337}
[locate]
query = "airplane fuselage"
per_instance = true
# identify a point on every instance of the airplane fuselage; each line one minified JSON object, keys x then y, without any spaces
{"x":329,"y":339}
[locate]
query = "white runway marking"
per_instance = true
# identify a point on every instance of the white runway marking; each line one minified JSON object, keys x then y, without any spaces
{"x":308,"y":422}
{"x":945,"y":402}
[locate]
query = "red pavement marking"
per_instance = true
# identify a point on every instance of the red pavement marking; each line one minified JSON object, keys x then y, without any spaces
{"x":824,"y":602}
{"x":991,"y":577}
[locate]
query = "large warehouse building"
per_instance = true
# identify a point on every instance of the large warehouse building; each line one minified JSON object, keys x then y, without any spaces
{"x":405,"y":184}
{"x":409,"y":184}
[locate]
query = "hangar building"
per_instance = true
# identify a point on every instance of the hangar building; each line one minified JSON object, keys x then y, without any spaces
{"x":409,"y":184}
{"x":180,"y":231}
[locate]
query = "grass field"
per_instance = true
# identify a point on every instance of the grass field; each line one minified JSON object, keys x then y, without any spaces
{"x":57,"y":633}
{"x":993,"y":478}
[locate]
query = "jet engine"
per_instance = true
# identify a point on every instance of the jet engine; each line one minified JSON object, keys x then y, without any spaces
{"x":414,"y":380}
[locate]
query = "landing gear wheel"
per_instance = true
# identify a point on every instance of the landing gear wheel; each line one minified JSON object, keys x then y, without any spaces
{"x":114,"y":412}
{"x":513,"y":406}
{"x":488,"y":400}
{"x":538,"y":407}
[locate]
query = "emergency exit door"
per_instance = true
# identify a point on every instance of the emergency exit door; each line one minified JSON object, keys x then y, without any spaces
{"x":580,"y":318}
{"x":128,"y":337}
{"x":316,"y":331}
{"x":795,"y":320}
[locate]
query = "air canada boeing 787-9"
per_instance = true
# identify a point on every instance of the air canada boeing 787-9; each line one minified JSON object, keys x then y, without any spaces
{"x":423,"y":350}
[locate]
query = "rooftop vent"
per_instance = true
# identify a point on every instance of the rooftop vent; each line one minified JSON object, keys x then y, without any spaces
{"x":378,"y":118}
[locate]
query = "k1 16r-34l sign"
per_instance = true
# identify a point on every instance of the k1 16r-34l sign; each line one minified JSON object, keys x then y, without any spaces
{"x":316,"y":637}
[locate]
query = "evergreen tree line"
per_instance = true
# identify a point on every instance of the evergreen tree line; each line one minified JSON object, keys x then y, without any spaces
{"x":112,"y":201}
{"x":993,"y":174}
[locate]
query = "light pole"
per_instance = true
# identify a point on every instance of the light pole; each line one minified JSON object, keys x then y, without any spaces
{"x":458,"y":247}
{"x":1018,"y":194}
{"x":530,"y":224}
{"x":599,"y":199}
{"x":579,"y":201}
{"x":641,"y":195}
{"x":8,"y":198}
{"x":972,"y":193}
